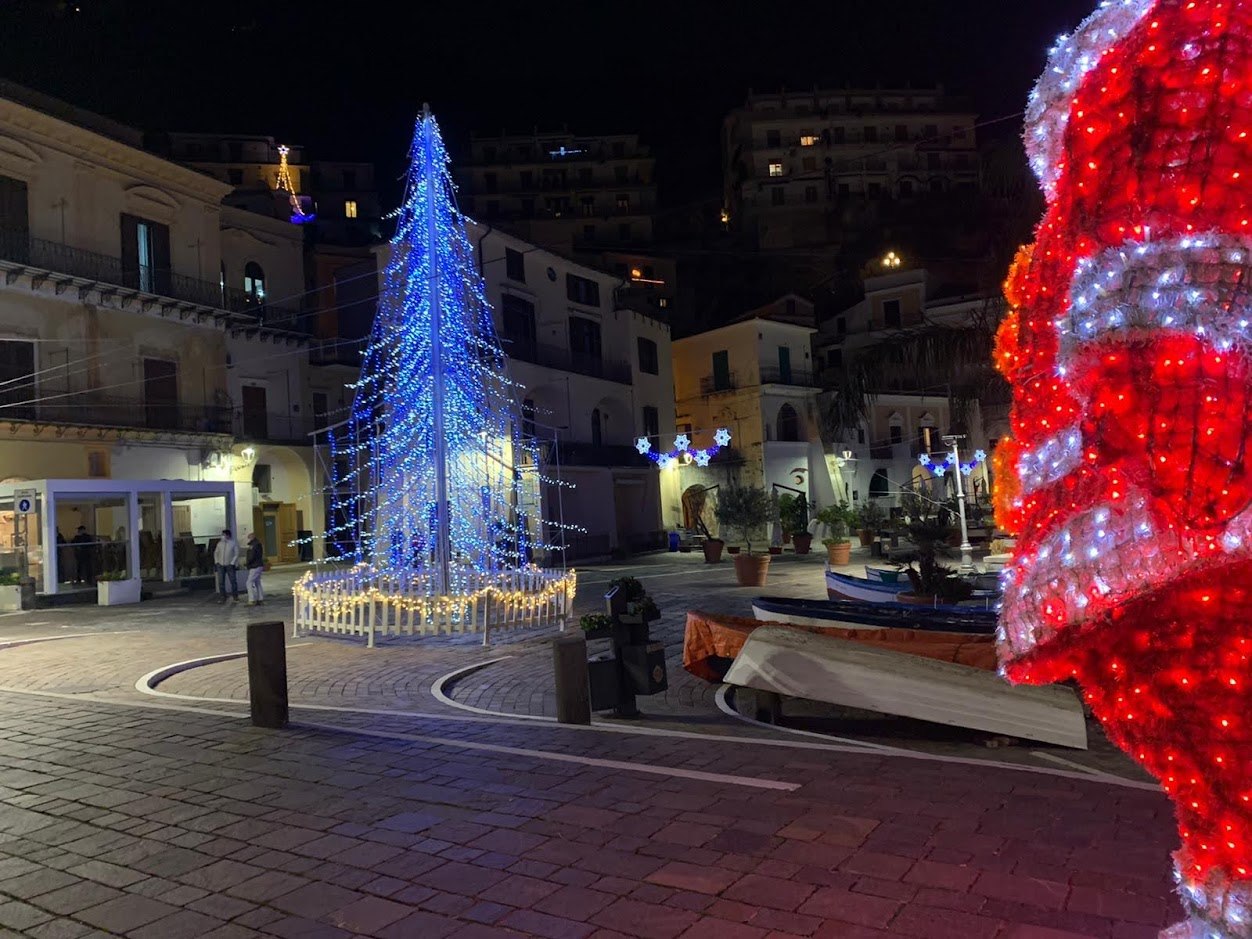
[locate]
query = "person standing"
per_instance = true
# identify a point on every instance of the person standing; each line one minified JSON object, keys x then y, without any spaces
{"x":225,"y":556}
{"x":83,"y":546}
{"x":255,"y":563}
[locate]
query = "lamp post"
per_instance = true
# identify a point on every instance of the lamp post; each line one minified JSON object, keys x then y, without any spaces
{"x":952,"y":462}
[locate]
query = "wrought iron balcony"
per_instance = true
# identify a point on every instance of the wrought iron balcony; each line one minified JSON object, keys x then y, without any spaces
{"x":565,"y":360}
{"x":798,"y":377}
{"x":717,"y":384}
{"x":337,"y":352}
{"x":64,"y":264}
{"x":90,"y":409}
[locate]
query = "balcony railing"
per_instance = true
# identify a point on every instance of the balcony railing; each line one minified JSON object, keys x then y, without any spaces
{"x":715,"y":384}
{"x":569,"y":453}
{"x":278,"y":427}
{"x":89,"y":409}
{"x":337,"y":352}
{"x":799,"y":377}
{"x":580,"y":363}
{"x":18,"y":247}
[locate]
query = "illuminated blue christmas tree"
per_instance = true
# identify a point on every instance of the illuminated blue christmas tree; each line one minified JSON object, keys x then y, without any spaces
{"x":433,"y":451}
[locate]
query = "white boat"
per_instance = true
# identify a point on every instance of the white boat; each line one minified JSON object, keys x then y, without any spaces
{"x":848,"y":587}
{"x":818,"y":668}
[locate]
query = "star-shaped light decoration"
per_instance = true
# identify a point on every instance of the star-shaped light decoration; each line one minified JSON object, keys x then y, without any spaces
{"x":722,"y":437}
{"x":665,"y":462}
{"x":980,"y":455}
{"x":682,"y":442}
{"x":643,"y":445}
{"x":702,"y":458}
{"x":924,"y":459}
{"x":967,"y":469}
{"x":940,"y":469}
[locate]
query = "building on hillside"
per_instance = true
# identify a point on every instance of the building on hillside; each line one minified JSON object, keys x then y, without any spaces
{"x":911,"y":411}
{"x":800,"y":168}
{"x":565,"y":192}
{"x":335,"y":205}
{"x":592,"y":377}
{"x":755,"y":378}
{"x":147,"y":332}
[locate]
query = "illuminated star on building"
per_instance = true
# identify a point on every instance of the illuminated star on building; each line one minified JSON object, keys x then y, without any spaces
{"x":722,"y":437}
{"x":682,"y":442}
{"x":643,"y":445}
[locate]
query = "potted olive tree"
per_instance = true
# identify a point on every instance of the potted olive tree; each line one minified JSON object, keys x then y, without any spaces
{"x":747,"y":510}
{"x":870,"y":518}
{"x":793,"y":512}
{"x":838,"y":520}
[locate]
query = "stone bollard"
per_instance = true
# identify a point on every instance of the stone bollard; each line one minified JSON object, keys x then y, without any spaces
{"x":569,"y":666}
{"x":267,"y":674}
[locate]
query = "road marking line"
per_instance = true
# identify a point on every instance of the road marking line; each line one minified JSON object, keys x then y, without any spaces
{"x":751,"y":782}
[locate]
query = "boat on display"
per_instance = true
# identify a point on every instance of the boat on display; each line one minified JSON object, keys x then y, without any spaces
{"x":986,"y":595}
{"x":844,"y":614}
{"x":863,"y":589}
{"x":883,"y":576}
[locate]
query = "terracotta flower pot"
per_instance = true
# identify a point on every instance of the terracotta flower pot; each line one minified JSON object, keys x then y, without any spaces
{"x":734,"y":549}
{"x":866,"y":536}
{"x":752,"y":570}
{"x":803,"y":542}
{"x":839,"y":554}
{"x":713,"y":550}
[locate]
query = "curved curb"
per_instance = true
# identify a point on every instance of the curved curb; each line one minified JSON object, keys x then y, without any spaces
{"x":147,"y":685}
{"x":14,"y":643}
{"x":437,"y":686}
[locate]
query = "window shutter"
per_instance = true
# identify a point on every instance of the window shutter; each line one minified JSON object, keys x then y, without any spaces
{"x":130,"y":250}
{"x":161,"y":256}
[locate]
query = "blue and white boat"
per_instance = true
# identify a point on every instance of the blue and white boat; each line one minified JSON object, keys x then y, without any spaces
{"x":844,"y":614}
{"x":863,"y":589}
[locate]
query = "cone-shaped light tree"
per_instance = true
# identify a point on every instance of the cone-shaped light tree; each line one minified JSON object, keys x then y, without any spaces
{"x":432,"y":446}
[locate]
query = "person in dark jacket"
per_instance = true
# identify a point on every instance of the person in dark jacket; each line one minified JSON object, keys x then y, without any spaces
{"x":254,"y":560}
{"x":84,"y":546}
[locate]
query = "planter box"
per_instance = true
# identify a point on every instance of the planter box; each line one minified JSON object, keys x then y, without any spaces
{"x":117,"y":592}
{"x":10,"y":598}
{"x":600,"y":632}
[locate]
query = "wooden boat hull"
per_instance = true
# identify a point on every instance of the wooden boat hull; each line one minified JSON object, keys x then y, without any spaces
{"x":801,"y":664}
{"x":843,"y":614}
{"x":862,"y":589}
{"x":712,"y":641}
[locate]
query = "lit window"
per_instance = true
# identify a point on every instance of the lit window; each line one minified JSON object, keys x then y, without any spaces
{"x":775,"y":169}
{"x":349,"y":208}
{"x":808,"y":140}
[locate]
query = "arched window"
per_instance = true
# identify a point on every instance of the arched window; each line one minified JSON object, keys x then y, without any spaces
{"x":254,"y":282}
{"x":879,"y":485}
{"x":788,"y":423}
{"x":597,"y":430}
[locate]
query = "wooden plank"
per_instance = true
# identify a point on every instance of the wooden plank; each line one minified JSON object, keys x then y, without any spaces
{"x":817,"y":668}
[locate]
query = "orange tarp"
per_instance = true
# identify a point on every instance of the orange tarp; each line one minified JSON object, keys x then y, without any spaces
{"x":710,"y":636}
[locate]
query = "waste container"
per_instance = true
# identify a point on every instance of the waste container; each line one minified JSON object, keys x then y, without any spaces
{"x":674,"y":540}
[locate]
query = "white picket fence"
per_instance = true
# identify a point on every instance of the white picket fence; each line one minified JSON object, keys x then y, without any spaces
{"x":364,"y":602}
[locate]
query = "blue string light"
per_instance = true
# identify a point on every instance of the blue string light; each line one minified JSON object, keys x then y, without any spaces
{"x":682,"y":445}
{"x":437,"y":469}
{"x":940,"y":469}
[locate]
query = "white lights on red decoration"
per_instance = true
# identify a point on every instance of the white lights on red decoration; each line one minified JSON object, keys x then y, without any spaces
{"x":1197,"y":284}
{"x":1069,"y":61}
{"x":1050,"y":460}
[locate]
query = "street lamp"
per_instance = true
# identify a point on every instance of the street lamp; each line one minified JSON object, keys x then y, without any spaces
{"x":952,"y":462}
{"x":892,"y":260}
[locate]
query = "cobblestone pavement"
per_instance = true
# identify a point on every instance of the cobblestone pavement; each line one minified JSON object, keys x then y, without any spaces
{"x":157,"y":823}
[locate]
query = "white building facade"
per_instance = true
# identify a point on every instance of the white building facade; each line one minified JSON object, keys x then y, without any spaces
{"x":136,"y":313}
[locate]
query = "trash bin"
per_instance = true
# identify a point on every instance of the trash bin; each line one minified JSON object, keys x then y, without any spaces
{"x":674,"y":540}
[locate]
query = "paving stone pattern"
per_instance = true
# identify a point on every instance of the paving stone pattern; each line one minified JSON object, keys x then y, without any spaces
{"x":158,"y":824}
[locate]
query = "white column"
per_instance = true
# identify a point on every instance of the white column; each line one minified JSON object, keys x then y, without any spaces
{"x":167,"y":536}
{"x":132,"y":533}
{"x":51,"y":552}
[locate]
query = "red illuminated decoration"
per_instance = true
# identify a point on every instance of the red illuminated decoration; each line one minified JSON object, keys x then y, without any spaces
{"x":1129,"y":347}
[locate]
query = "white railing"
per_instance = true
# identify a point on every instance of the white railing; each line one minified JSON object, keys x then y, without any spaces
{"x":366,"y":602}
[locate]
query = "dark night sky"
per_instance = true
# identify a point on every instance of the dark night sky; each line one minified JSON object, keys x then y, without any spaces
{"x":347,"y":78}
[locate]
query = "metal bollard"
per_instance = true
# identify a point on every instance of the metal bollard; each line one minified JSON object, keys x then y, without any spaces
{"x":267,"y":674}
{"x":569,"y":666}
